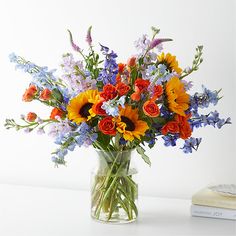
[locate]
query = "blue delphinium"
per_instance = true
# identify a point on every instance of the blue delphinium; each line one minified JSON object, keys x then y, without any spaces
{"x":110,"y":70}
{"x":165,"y":113}
{"x":42,"y":77}
{"x":170,"y":140}
{"x":82,"y":136}
{"x":85,"y":135}
{"x":204,"y":99}
{"x":112,"y":106}
{"x":212,"y":119}
{"x":190,"y":144}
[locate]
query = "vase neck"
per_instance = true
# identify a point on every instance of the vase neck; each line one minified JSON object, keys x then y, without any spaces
{"x":115,"y":160}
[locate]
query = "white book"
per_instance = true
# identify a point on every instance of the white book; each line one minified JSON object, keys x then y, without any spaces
{"x":213,"y":212}
{"x":207,"y":197}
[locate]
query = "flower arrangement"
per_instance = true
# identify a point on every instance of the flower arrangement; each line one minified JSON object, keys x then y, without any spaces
{"x":118,"y":106}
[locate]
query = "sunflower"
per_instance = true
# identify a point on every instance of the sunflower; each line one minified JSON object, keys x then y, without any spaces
{"x":79,"y":108}
{"x":178,"y":99}
{"x":129,"y":125}
{"x":170,"y":62}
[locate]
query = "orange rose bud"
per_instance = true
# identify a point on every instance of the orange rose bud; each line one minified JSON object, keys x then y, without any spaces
{"x":32,"y":89}
{"x":121,"y":68}
{"x":131,"y":62}
{"x":45,"y":94}
{"x":122,"y":88}
{"x":107,"y":126}
{"x":118,"y":78}
{"x":97,"y":109}
{"x":158,"y":91}
{"x":31,"y":116}
{"x":56,"y":112}
{"x":29,"y":93}
{"x":135,"y":96}
{"x":170,"y":127}
{"x":151,"y":109}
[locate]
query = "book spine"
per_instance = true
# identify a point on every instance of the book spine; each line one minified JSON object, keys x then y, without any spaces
{"x":213,"y":212}
{"x":213,"y":203}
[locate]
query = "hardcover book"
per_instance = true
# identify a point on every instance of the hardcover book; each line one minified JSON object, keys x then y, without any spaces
{"x":213,"y":212}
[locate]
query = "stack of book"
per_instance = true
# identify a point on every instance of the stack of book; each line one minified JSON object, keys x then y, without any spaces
{"x":208,"y":203}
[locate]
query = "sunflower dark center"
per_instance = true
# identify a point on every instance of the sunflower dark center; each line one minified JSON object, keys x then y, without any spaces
{"x":84,"y":110}
{"x":129,"y":123}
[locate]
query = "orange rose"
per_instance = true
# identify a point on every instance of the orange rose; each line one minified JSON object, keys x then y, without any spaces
{"x":170,"y":127}
{"x":122,"y":88}
{"x":131,"y":62}
{"x":56,"y":112}
{"x":151,"y":109}
{"x":185,"y":130}
{"x":29,"y":93}
{"x":45,"y":94}
{"x":158,"y":91}
{"x":107,"y":126}
{"x":97,"y":109}
{"x":109,"y":92}
{"x":31,"y":116}
{"x":142,"y":84}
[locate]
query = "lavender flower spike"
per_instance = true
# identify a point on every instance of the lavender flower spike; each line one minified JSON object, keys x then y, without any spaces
{"x":74,"y":46}
{"x":156,"y":42}
{"x":88,"y":36}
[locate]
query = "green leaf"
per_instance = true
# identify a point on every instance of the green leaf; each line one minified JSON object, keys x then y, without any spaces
{"x":56,"y":94}
{"x":103,"y":140}
{"x":159,"y":120}
{"x":141,"y":151}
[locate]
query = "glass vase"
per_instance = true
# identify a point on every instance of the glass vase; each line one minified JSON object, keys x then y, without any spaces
{"x":114,"y":191}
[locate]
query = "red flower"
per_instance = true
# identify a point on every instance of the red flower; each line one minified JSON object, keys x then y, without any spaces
{"x":179,"y":125}
{"x":31,"y":116}
{"x":107,"y":126}
{"x":151,"y":109}
{"x":122,"y":88}
{"x":97,"y":109}
{"x":56,"y":112}
{"x":142,"y":84}
{"x":185,"y":130}
{"x":170,"y":127}
{"x":158,"y":91}
{"x":109,"y":92}
{"x":121,"y":68}
{"x":45,"y":94}
{"x":29,"y":93}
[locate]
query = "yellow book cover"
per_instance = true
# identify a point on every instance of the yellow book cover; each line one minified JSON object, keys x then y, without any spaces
{"x":207,"y":197}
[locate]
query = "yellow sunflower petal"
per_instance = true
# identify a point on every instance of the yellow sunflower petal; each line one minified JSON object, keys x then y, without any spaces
{"x":78,"y":103}
{"x":178,"y":99}
{"x":129,"y":124}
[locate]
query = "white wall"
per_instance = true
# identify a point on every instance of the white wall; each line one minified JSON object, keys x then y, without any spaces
{"x":37,"y":31}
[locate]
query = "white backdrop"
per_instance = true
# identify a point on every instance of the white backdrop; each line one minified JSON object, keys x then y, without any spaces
{"x":37,"y":31}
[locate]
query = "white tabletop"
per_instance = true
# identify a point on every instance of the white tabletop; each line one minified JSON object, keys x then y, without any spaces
{"x":31,"y":211}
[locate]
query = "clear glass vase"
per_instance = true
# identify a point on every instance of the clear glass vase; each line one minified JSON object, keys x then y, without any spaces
{"x":114,"y":191}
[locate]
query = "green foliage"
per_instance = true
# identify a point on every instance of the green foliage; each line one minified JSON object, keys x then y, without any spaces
{"x":196,"y":62}
{"x":141,"y":151}
{"x":56,"y":94}
{"x":103,"y":140}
